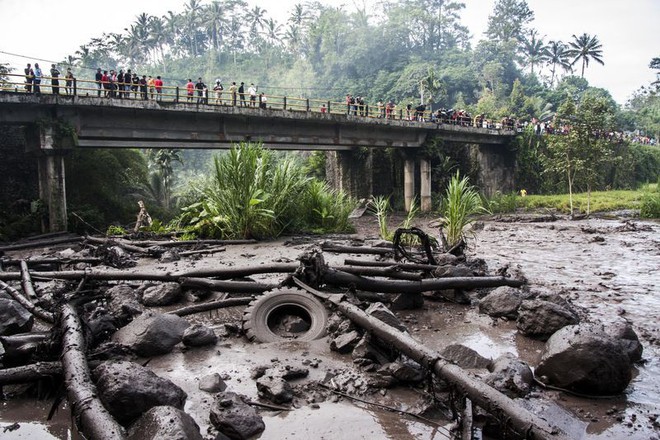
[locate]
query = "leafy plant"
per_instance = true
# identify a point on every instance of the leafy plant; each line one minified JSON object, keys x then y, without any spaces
{"x":462,"y":202}
{"x":115,"y":230}
{"x":650,"y":203}
{"x":380,"y":207}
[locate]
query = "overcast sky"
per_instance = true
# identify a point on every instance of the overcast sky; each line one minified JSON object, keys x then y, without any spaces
{"x":44,"y":30}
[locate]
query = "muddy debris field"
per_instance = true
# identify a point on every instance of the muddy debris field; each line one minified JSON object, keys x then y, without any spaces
{"x":542,"y":327}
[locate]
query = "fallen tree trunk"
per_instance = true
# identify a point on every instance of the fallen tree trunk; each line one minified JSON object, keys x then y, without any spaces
{"x":26,"y":282}
{"x":40,"y":243}
{"x":211,"y":250}
{"x":156,"y":243}
{"x":27,"y":304}
{"x":226,"y":286}
{"x":122,"y":244}
{"x":30,"y":373}
{"x":391,"y":271}
{"x":59,"y":261}
{"x":343,"y":279}
{"x":402,"y":266}
{"x":213,"y":305}
{"x":331,"y":247}
{"x":524,"y":422}
{"x":91,"y":417}
{"x":109,"y":275}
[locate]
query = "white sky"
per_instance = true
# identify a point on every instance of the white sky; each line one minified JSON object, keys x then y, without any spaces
{"x":44,"y":30}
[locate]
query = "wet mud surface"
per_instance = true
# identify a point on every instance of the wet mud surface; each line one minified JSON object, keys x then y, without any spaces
{"x":608,"y":268}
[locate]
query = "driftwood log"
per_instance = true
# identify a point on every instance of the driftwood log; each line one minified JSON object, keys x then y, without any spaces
{"x":391,"y":271}
{"x":340,"y":249}
{"x":49,"y":261}
{"x":26,"y":282}
{"x":524,"y":422}
{"x":402,"y":266}
{"x":226,"y":286}
{"x":30,"y":373}
{"x":211,"y":305}
{"x":41,"y":243}
{"x":92,"y":419}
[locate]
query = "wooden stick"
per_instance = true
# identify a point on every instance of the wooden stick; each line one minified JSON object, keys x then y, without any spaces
{"x":27,"y":305}
{"x":26,"y":282}
{"x":213,"y":305}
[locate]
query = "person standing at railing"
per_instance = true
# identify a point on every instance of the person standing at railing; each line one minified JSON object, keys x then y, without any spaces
{"x":68,"y":78}
{"x":29,"y":78}
{"x":99,"y":78}
{"x":37,"y":78}
{"x":54,"y":79}
{"x":121,"y":84}
{"x":190,"y":90}
{"x":151,"y":85}
{"x":252,"y":90}
{"x":135,"y":85}
{"x":323,"y":109}
{"x":241,"y":94}
{"x":262,"y":101}
{"x":218,"y":92}
{"x":200,"y":87}
{"x":144,"y":89}
{"x":232,"y":93}
{"x":158,"y":83}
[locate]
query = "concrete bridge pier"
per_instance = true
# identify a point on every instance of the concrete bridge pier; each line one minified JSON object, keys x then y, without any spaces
{"x":51,"y":146}
{"x":351,"y":171}
{"x":424,"y":184}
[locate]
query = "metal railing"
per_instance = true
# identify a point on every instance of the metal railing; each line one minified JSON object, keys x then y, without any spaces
{"x":18,"y":83}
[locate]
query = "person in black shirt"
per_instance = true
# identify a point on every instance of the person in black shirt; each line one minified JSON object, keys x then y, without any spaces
{"x":241,"y":94}
{"x":54,"y":80}
{"x":201,"y":88}
{"x":98,"y":77}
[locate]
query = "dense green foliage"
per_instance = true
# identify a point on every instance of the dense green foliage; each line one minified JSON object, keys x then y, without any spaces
{"x":460,"y":204}
{"x":255,"y":193}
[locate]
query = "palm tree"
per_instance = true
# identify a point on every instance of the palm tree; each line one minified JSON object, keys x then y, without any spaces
{"x":162,"y":161}
{"x":257,"y":20}
{"x":273,"y":32}
{"x":534,"y":50}
{"x":215,"y":21}
{"x":193,"y":8}
{"x":300,"y":15}
{"x":586,"y":47}
{"x":557,"y":54}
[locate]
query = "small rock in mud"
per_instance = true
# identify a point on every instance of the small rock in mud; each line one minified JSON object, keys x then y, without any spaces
{"x":198,"y":335}
{"x":406,"y":371}
{"x":274,"y":388}
{"x":501,"y":302}
{"x":212,"y":383}
{"x":235,"y":418}
{"x":151,"y":335}
{"x":14,"y":318}
{"x":123,"y":303}
{"x":382,"y":313}
{"x":465,"y":357}
{"x":447,"y":271}
{"x":540,"y":318}
{"x":345,"y":342}
{"x":164,"y":422}
{"x":162,"y":294}
{"x":511,"y":376}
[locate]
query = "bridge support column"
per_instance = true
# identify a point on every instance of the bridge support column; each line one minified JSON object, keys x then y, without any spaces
{"x":496,"y":166}
{"x":351,"y":172}
{"x":51,"y":145}
{"x":408,"y":183}
{"x":425,"y":185}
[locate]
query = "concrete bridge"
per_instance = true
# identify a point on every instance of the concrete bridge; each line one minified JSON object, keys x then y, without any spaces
{"x":57,"y":123}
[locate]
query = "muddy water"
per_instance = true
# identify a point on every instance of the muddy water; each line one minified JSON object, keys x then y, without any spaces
{"x":607,"y":267}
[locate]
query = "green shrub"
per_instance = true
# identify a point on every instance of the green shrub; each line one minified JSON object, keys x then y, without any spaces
{"x":650,"y":203}
{"x":502,"y":203}
{"x":462,"y":201}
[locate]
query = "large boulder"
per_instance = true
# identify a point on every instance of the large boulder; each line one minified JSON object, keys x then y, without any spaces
{"x":623,"y":332}
{"x":123,"y":303}
{"x":162,"y":294}
{"x":583,"y":358}
{"x":151,"y":335}
{"x":381,"y":312}
{"x":165,"y":422}
{"x":501,"y":302}
{"x":14,"y":318}
{"x":511,"y":376}
{"x":540,"y":318}
{"x":128,"y":390}
{"x":235,"y":418}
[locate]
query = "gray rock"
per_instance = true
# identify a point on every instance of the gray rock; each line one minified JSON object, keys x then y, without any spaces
{"x":128,"y":390}
{"x":274,"y":388}
{"x":583,"y":358}
{"x":212,"y":383}
{"x":198,"y":335}
{"x":465,"y":357}
{"x":382,"y":313}
{"x":623,"y":332}
{"x":151,"y":335}
{"x":540,"y":318}
{"x":511,"y":376}
{"x":234,"y":418}
{"x":123,"y":303}
{"x":345,"y":342}
{"x":14,"y":318}
{"x":453,"y":271}
{"x":501,"y":302}
{"x":407,"y":301}
{"x":408,"y":371}
{"x":165,"y":422}
{"x":366,"y":350}
{"x":161,"y":294}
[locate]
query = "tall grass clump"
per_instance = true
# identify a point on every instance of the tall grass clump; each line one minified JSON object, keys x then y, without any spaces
{"x":650,"y":202}
{"x":325,"y":209}
{"x":502,"y":203}
{"x":380,"y":207}
{"x":252,"y":193}
{"x":461,"y":203}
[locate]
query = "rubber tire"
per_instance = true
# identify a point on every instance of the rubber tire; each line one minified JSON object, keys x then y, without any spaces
{"x":255,"y":317}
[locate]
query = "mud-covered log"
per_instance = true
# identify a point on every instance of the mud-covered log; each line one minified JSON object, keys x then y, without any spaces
{"x":26,"y":282}
{"x":27,"y":304}
{"x":343,"y":279}
{"x":93,"y":420}
{"x":121,"y":243}
{"x":524,"y":422}
{"x":212,"y":305}
{"x":116,"y":275}
{"x":391,"y":271}
{"x":211,"y":250}
{"x":40,"y":243}
{"x":30,"y":373}
{"x":49,"y":261}
{"x":226,"y":286}
{"x":402,"y":266}
{"x":339,"y":249}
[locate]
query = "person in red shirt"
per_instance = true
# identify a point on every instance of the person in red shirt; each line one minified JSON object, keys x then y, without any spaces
{"x":158,"y":83}
{"x":190,"y":87}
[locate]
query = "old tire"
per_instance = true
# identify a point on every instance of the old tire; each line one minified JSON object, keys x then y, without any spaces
{"x":265,"y":319}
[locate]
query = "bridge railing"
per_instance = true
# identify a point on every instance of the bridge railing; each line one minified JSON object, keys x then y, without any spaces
{"x":18,"y":83}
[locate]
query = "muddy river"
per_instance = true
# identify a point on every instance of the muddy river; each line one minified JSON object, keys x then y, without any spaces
{"x":608,"y":267}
